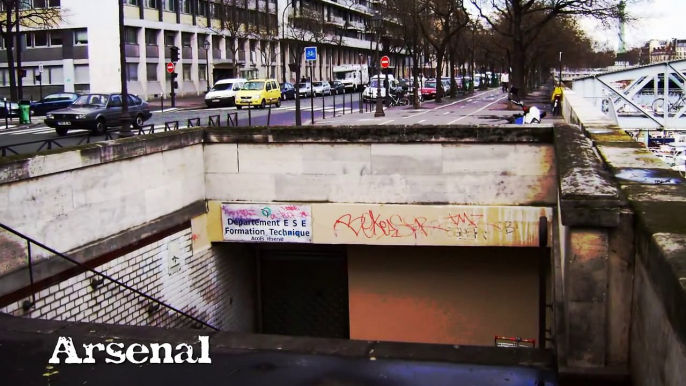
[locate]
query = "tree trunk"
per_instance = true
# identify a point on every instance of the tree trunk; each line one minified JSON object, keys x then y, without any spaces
{"x":415,"y":81}
{"x":439,"y":85}
{"x":453,"y":86}
{"x":519,"y":70}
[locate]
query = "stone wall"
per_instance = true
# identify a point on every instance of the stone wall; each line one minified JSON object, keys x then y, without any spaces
{"x":403,"y":173}
{"x":651,"y":269}
{"x":214,"y":285}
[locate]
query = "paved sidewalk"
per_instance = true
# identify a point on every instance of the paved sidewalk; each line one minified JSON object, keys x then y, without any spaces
{"x":181,"y":103}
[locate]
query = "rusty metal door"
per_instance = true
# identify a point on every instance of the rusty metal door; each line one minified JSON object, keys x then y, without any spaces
{"x":304,"y":292}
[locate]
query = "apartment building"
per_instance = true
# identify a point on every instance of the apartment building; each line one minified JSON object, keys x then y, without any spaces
{"x":81,"y":53}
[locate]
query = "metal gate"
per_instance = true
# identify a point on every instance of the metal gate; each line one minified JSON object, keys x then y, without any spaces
{"x":304,"y":292}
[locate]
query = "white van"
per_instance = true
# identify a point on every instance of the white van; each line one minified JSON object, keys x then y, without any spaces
{"x":369,"y":93}
{"x":224,"y":92}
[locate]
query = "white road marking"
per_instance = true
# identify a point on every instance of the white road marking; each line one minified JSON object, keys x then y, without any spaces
{"x":386,"y":122}
{"x":449,"y":104}
{"x":421,"y":121}
{"x":476,"y":111}
{"x":167,"y":110}
{"x":446,"y":113}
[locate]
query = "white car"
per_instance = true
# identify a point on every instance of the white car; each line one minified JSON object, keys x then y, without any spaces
{"x":224,"y":92}
{"x":321,"y":88}
{"x":305,"y":90}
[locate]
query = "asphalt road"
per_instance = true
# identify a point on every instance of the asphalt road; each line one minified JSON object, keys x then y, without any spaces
{"x":483,"y":107}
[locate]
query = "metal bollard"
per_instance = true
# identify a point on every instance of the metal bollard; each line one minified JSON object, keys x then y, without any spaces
{"x":334,"y":104}
{"x":269,"y":115}
{"x":249,"y":116}
{"x":323,"y":106}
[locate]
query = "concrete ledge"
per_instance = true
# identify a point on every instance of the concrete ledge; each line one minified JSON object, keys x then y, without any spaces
{"x":44,"y":333}
{"x":588,"y":194}
{"x":45,"y":269}
{"x":31,"y":165}
{"x":390,"y":134}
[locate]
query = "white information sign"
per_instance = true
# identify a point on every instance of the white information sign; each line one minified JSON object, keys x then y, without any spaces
{"x":267,"y":223}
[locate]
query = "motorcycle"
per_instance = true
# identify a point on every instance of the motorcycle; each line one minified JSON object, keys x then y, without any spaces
{"x":531,"y":115}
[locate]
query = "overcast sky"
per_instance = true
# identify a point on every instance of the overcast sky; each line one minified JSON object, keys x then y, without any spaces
{"x":661,"y":19}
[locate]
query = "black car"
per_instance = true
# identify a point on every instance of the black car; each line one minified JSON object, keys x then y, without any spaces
{"x":337,"y":87}
{"x":97,"y":112}
{"x":287,"y":91}
{"x":53,"y":102}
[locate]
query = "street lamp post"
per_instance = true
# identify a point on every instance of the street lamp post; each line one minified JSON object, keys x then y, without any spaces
{"x":206,"y":45}
{"x":125,"y":118}
{"x":376,"y":24}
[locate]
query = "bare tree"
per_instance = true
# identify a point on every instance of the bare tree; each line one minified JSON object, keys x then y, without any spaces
{"x":523,"y":20}
{"x":232,"y":22}
{"x":441,"y":20}
{"x":305,"y":27}
{"x":16,"y":14}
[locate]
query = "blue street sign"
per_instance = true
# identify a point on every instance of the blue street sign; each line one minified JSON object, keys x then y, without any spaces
{"x":310,"y":53}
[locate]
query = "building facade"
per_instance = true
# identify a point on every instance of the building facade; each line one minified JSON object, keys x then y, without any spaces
{"x":81,"y":54}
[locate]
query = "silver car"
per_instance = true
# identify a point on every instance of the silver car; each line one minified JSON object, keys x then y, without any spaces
{"x":97,"y":112}
{"x":321,"y":88}
{"x":305,"y":90}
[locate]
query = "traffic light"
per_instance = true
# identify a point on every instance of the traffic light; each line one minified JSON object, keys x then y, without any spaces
{"x":174,"y":83}
{"x":174,"y":51}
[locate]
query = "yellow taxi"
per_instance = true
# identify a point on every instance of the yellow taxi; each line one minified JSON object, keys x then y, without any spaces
{"x":259,"y":92}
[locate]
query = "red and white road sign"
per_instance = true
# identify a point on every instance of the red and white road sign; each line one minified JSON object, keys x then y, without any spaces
{"x":385,"y":61}
{"x":170,"y":67}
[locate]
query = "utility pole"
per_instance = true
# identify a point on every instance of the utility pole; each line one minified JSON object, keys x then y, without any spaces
{"x":560,"y":68}
{"x":125,"y":118}
{"x":18,"y":48}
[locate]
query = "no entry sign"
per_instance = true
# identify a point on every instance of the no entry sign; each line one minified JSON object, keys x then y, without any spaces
{"x":170,"y":67}
{"x":385,"y":61}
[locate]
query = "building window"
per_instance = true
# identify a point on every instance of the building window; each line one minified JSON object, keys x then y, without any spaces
{"x":54,"y":3}
{"x":132,"y":2}
{"x":187,"y":72}
{"x":151,"y":4}
{"x":80,"y":36}
{"x":40,"y":39}
{"x":169,"y":39}
{"x":131,"y":71}
{"x":131,"y":36}
{"x":169,"y":6}
{"x":202,"y":71}
{"x":55,"y":38}
{"x":151,"y":68}
{"x":151,"y":37}
{"x":186,"y":39}
{"x":202,"y":7}
{"x":185,"y":6}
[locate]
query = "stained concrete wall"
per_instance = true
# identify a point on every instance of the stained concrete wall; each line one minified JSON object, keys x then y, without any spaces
{"x":458,"y":295}
{"x":647,"y":255}
{"x":74,"y":198}
{"x":456,"y":173}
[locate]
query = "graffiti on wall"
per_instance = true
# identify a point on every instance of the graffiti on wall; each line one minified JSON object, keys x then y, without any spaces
{"x":429,"y":225}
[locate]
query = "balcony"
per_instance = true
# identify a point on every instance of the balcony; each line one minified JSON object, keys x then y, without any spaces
{"x":152,"y":51}
{"x":336,"y":20}
{"x":356,"y":25}
{"x":132,"y":51}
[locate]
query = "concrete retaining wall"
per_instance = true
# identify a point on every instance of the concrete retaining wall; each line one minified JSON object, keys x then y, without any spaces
{"x":656,"y":260}
{"x":474,"y":174}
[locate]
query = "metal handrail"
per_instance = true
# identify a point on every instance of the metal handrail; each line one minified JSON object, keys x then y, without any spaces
{"x":102,"y":275}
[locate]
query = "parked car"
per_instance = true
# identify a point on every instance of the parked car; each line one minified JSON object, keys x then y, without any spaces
{"x":259,"y":92}
{"x":12,"y":107}
{"x":224,"y":92}
{"x":429,"y":89}
{"x":305,"y":90}
{"x":287,"y":91}
{"x":53,"y":102}
{"x":321,"y":88}
{"x":337,"y":87}
{"x":97,"y":112}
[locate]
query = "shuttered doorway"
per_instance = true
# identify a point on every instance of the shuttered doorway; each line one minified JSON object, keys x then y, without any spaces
{"x":304,"y":291}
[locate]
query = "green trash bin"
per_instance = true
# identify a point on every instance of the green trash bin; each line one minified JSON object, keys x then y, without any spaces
{"x":24,"y":112}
